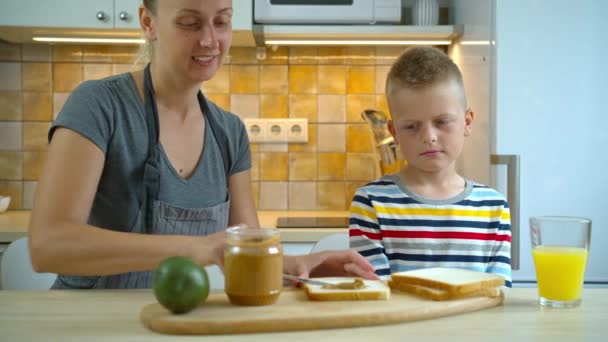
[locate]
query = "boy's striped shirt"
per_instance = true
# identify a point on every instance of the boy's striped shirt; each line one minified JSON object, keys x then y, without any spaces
{"x":397,"y":230}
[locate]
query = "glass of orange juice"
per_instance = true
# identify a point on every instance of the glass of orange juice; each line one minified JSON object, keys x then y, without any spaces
{"x":560,"y":246}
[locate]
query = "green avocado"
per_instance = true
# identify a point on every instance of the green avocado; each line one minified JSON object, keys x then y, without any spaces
{"x":180,"y":284}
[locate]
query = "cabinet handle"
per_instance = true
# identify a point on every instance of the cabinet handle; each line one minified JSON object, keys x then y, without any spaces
{"x":101,"y":16}
{"x":124,"y":16}
{"x":512,"y":162}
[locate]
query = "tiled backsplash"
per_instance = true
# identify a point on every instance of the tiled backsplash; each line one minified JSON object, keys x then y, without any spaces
{"x":329,"y":86}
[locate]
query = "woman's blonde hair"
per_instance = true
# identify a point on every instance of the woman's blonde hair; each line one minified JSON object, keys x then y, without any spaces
{"x":144,"y":56}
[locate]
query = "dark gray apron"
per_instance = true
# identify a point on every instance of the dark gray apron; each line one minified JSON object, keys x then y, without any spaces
{"x":156,"y":217}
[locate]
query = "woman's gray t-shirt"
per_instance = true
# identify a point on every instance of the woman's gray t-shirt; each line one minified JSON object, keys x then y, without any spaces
{"x":110,"y":113}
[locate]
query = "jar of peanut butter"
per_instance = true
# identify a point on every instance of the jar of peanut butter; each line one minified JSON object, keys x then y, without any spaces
{"x":253,"y":265}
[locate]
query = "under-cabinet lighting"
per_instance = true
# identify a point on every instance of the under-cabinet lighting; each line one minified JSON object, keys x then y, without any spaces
{"x":357,"y":42}
{"x":90,"y":40}
{"x":476,"y":42}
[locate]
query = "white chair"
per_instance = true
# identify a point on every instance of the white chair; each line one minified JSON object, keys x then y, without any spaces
{"x":336,"y":241}
{"x":216,"y":277}
{"x":17,"y":271}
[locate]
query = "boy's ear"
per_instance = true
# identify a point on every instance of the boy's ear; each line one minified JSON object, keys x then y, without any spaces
{"x":145,"y":21}
{"x":391,"y":129}
{"x":468,"y":119}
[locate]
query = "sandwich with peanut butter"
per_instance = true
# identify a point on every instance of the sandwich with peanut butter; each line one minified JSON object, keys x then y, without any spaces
{"x":347,"y":288}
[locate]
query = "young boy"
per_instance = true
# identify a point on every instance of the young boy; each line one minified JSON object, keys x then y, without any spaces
{"x":427,"y":215}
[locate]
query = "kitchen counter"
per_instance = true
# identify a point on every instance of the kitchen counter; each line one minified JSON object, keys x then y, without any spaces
{"x":113,"y":315}
{"x":14,"y":224}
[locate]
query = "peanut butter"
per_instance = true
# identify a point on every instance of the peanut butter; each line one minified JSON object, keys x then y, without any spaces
{"x":353,"y":285}
{"x":253,"y":267}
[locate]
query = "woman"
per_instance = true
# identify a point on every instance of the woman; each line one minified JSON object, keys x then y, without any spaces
{"x":142,"y":167}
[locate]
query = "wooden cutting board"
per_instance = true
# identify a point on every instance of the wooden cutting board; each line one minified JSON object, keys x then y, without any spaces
{"x":294,"y":311}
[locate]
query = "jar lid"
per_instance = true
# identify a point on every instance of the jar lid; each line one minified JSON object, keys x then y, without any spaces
{"x":247,"y":234}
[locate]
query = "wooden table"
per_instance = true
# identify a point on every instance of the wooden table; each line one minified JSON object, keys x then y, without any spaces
{"x":112,"y":315}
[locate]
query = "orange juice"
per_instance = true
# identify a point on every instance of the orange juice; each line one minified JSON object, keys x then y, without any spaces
{"x":560,"y":271}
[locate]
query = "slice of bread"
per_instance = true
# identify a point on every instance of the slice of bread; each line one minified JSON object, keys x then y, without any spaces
{"x":373,"y":290}
{"x":453,"y":281}
{"x":438,"y":295}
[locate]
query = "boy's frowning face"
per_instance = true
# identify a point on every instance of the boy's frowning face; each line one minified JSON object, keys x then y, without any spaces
{"x":430,"y":124}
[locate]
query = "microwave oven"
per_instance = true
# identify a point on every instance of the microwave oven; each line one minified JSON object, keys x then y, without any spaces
{"x":326,"y":11}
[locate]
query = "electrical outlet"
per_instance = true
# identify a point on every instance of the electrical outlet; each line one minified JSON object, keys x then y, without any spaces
{"x":297,"y":130}
{"x":276,"y":131}
{"x":256,"y":130}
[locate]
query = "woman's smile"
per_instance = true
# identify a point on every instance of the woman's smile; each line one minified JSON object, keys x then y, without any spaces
{"x":204,"y":60}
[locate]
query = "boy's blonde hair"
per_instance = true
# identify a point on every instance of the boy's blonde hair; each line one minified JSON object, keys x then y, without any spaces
{"x":422,"y":66}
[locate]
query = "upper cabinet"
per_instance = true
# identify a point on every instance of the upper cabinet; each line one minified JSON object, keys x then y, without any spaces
{"x":22,"y":20}
{"x":126,"y":14}
{"x":88,"y":14}
{"x":242,"y":23}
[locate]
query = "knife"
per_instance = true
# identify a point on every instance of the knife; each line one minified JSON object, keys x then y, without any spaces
{"x":306,"y":280}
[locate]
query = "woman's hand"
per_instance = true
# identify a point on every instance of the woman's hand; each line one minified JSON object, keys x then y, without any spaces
{"x":209,"y":251}
{"x":341,"y":263}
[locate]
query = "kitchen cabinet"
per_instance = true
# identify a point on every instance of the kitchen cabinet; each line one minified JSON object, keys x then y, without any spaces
{"x":90,"y":14}
{"x":242,"y":23}
{"x":126,"y":14}
{"x":21,"y":20}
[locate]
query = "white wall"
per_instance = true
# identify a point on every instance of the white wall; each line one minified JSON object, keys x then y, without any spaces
{"x":551,"y":86}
